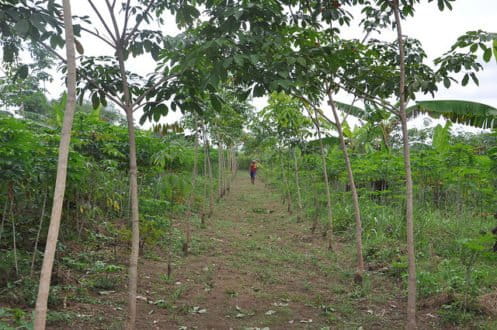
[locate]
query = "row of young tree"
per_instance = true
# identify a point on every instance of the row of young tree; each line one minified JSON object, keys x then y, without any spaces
{"x":453,"y":184}
{"x":185,"y":168}
{"x":249,"y":49}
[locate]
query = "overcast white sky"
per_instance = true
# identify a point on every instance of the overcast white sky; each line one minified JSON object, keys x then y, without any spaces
{"x":436,"y":30}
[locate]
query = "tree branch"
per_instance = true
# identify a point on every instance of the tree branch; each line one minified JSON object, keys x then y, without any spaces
{"x":370,"y":98}
{"x":103,"y":21}
{"x":136,"y":103}
{"x":318,"y":110}
{"x":137,"y":25}
{"x":95,"y":34}
{"x":126,"y":19}
{"x":110,"y":96}
{"x":51,"y":50}
{"x":114,"y":23}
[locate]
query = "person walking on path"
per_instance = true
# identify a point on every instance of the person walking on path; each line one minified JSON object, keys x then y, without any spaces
{"x":253,"y":171}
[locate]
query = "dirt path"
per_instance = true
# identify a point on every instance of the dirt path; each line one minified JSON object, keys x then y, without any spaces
{"x":253,"y":266}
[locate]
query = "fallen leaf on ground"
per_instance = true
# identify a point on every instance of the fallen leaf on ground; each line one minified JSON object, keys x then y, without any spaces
{"x":198,"y":310}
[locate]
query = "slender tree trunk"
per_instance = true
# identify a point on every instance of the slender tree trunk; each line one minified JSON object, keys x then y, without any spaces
{"x":326,"y":181}
{"x":227,"y":169}
{"x":287,"y":185}
{"x":316,"y":211}
{"x":220,"y":170}
{"x":133,"y":184}
{"x":4,"y":216}
{"x":384,"y":136}
{"x":223,"y":171}
{"x":169,"y":251}
{"x":411,"y":285}
{"x":135,"y":225}
{"x":355,"y":197}
{"x":191,"y":199}
{"x":14,"y":243}
{"x":235,"y":164}
{"x":35,"y":250}
{"x":211,"y":179}
{"x":60,"y":182}
{"x":297,"y":183}
{"x":204,"y":173}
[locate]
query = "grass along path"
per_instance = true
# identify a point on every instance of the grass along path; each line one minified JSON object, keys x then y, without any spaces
{"x":253,"y":266}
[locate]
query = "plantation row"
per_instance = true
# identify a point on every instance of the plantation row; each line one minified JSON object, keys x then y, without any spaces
{"x":97,"y":198}
{"x":228,"y":51}
{"x":454,"y":186}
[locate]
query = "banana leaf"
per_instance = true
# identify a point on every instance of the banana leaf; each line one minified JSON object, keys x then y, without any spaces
{"x":462,"y":112}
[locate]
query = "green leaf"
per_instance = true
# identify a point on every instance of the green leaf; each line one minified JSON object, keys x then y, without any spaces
{"x":301,"y":61}
{"x":475,"y":79}
{"x":440,"y":5}
{"x":239,"y":60}
{"x":446,"y":82}
{"x":8,"y":53}
{"x":95,"y":100}
{"x":494,"y":46}
{"x":259,"y":91}
{"x":37,"y":21}
{"x":215,"y":102}
{"x":22,"y":26}
{"x":465,"y":80}
{"x":22,"y":72}
{"x":487,"y":55}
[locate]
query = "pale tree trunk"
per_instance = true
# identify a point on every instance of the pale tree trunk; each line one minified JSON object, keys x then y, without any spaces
{"x":191,"y":199}
{"x":211,"y":183}
{"x":135,"y":224}
{"x":411,"y":284}
{"x":220,"y":170}
{"x":13,"y":220}
{"x":355,"y":197}
{"x":297,"y":183}
{"x":133,"y":185}
{"x":4,"y":216}
{"x":223,"y":171}
{"x":35,"y":250}
{"x":209,"y":170}
{"x":326,"y":181}
{"x":226,"y":159}
{"x":287,"y":185}
{"x":227,"y":169}
{"x":235,"y":164}
{"x":60,"y":182}
{"x":204,"y":173}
